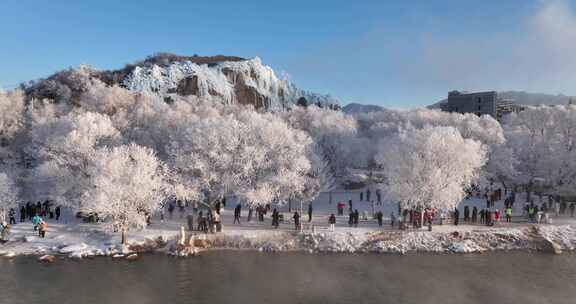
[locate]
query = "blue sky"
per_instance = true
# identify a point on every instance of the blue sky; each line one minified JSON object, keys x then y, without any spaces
{"x":391,"y":53}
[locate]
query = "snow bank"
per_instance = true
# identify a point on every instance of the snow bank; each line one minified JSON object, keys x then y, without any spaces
{"x":553,"y":239}
{"x":547,"y":239}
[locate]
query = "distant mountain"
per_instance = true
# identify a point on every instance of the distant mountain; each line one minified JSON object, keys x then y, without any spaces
{"x":534,"y":99}
{"x":524,"y":98}
{"x":353,"y":108}
{"x":231,"y":79}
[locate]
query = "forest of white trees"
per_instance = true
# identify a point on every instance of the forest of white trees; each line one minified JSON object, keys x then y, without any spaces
{"x":122,"y":154}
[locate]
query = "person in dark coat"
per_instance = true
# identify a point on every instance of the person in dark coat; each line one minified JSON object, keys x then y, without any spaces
{"x":200,"y":226}
{"x":237,"y":212}
{"x":57,"y":211}
{"x":456,"y":216}
{"x":22,"y":214}
{"x":361,"y":195}
{"x":29,"y":210}
{"x":250,"y":212}
{"x":466,"y":214}
{"x":474,"y":214}
{"x":190,"y":221}
{"x":46,"y":208}
{"x":379,"y":217}
{"x":332,"y":221}
{"x":275,"y":218}
{"x":368,"y":195}
{"x":12,"y":216}
{"x":310,"y":212}
{"x":170,"y":209}
{"x":351,"y":219}
{"x":296,"y":218}
{"x":349,"y":205}
{"x":356,"y":217}
{"x":39,"y":209}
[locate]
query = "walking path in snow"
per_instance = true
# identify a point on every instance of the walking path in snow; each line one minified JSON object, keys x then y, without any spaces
{"x":71,"y":235}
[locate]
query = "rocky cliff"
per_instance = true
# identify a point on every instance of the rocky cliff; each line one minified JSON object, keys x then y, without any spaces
{"x":230,"y":79}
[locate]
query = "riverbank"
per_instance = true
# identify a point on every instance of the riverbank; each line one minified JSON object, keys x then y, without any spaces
{"x":84,"y":240}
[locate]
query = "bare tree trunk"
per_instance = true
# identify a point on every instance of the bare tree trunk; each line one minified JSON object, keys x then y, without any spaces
{"x":123,"y":237}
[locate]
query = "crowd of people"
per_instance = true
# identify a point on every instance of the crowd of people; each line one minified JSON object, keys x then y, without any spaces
{"x":37,"y":214}
{"x":208,"y":219}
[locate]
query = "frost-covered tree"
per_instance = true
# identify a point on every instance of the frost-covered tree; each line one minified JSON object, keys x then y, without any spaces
{"x":236,"y":151}
{"x":320,"y":177}
{"x":273,"y":157}
{"x":127,"y":184}
{"x":11,"y":123}
{"x":104,"y":99}
{"x":8,"y":195}
{"x":380,"y":124}
{"x":430,"y":167}
{"x":11,"y":114}
{"x":334,"y":132}
{"x":65,"y":148}
{"x":501,"y":166}
{"x":543,"y":143}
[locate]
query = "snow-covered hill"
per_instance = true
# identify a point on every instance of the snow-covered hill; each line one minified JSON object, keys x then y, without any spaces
{"x":353,"y":108}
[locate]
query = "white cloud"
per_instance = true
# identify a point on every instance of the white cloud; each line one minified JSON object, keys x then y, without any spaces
{"x":540,"y":57}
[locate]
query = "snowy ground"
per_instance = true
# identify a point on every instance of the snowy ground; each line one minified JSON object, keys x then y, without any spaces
{"x":73,"y":238}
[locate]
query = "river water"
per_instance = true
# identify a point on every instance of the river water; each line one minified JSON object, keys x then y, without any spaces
{"x":251,"y":277}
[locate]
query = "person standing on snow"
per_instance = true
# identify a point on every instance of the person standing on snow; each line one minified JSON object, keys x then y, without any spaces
{"x":216,"y":221}
{"x":22,"y":214}
{"x":380,"y":218}
{"x":42,"y":229}
{"x":190,"y":221}
{"x":310,"y":212}
{"x":57,"y":211}
{"x":350,"y":205}
{"x":275,"y":218}
{"x":12,"y":216}
{"x":340,"y":208}
{"x":474,"y":214}
{"x":35,"y":221}
{"x":296,"y":218}
{"x":509,"y":214}
{"x":250,"y":212}
{"x":5,"y":233}
{"x":456,"y":216}
{"x":237,"y":211}
{"x":170,"y":209}
{"x":332,"y":221}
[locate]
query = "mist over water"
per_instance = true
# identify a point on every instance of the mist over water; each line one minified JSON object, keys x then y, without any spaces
{"x":250,"y":277}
